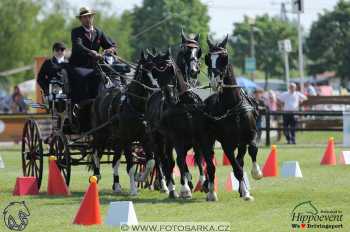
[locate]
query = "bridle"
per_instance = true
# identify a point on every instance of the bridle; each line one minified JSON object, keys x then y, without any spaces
{"x":170,"y":64}
{"x":217,"y":81}
{"x":193,"y":58}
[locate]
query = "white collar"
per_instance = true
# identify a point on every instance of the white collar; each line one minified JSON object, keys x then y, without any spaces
{"x":89,"y":29}
{"x":60,"y":60}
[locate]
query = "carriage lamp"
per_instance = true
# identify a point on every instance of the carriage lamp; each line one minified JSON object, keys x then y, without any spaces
{"x":56,"y":89}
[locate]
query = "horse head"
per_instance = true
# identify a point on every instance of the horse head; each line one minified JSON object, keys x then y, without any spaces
{"x":217,"y":57}
{"x":144,"y":69}
{"x":191,"y":52}
{"x":166,"y":73}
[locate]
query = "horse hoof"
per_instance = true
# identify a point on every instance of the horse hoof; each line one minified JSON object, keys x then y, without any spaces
{"x":173,"y":195}
{"x":212,"y":196}
{"x":256,"y":172}
{"x":186,"y":195}
{"x":248,"y":198}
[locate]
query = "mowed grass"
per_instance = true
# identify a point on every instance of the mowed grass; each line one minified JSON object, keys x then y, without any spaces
{"x":328,"y":187}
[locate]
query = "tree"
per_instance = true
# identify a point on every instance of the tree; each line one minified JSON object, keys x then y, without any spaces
{"x":19,"y":33}
{"x":267,"y":32}
{"x":328,"y":45}
{"x":158,"y":23}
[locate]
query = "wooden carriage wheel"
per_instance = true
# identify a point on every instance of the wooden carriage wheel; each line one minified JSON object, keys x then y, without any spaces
{"x":32,"y":151}
{"x":59,"y":148}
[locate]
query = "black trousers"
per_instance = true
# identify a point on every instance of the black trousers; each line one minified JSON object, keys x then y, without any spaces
{"x":289,"y":125}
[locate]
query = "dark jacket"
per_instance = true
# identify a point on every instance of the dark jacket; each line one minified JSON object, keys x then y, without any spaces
{"x":82,"y":46}
{"x":48,"y":70}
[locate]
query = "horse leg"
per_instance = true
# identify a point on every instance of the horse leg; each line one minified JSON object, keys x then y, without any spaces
{"x":96,"y":163}
{"x":237,"y":170}
{"x":198,"y":161}
{"x":130,"y":169}
{"x":210,"y":169}
{"x":185,"y":191}
{"x":169,"y":170}
{"x":256,"y":171}
{"x":161,"y":177}
{"x":117,"y":188}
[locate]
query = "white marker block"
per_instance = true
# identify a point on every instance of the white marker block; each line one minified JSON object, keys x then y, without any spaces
{"x":121,"y":213}
{"x":232,"y":183}
{"x":344,"y":158}
{"x":2,"y":163}
{"x":291,"y":169}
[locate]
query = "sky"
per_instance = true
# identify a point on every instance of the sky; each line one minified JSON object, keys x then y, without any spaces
{"x":224,"y":13}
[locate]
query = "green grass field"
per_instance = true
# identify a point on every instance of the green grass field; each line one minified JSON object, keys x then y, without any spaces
{"x":328,"y":187}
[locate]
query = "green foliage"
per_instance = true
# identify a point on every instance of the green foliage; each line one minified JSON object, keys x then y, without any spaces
{"x":328,"y":44}
{"x":18,"y":33}
{"x":267,"y":32}
{"x":157,"y":23}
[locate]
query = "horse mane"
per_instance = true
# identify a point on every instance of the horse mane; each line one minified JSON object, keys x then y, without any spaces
{"x":229,"y":73}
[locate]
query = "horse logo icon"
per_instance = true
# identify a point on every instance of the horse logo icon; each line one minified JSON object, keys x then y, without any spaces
{"x":16,"y":216}
{"x":305,"y":208}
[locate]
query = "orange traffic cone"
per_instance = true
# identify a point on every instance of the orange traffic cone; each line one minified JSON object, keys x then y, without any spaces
{"x":225,"y":160}
{"x":89,"y":211}
{"x":56,"y":183}
{"x":329,"y":157}
{"x":271,"y":167}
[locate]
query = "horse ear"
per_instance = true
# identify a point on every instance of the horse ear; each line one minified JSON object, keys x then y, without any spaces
{"x":143,"y":56}
{"x":224,"y":42}
{"x":168,"y":53}
{"x":210,"y":44}
{"x":150,"y":54}
{"x":196,"y":38}
{"x":183,"y":36}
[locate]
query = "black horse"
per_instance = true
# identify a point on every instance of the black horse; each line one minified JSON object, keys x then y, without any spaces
{"x":171,"y":121}
{"x":126,"y":108}
{"x":188,"y":61}
{"x":231,"y":119}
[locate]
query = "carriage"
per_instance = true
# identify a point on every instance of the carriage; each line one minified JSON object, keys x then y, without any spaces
{"x":64,"y":131}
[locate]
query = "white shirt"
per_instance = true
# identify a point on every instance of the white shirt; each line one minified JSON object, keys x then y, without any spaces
{"x":60,"y":59}
{"x":291,"y":100}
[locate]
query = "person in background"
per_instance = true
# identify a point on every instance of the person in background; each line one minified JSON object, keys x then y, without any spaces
{"x":310,"y":89}
{"x":291,"y":101}
{"x":52,"y":66}
{"x":18,"y":105}
{"x":258,"y":95}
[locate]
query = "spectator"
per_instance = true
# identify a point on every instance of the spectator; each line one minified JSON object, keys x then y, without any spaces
{"x":271,"y":100}
{"x":258,"y":94}
{"x":310,"y":89}
{"x":18,"y":104}
{"x":291,"y":101}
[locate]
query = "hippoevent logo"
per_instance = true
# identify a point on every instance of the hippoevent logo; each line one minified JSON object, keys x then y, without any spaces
{"x":306,"y":216}
{"x":16,"y":216}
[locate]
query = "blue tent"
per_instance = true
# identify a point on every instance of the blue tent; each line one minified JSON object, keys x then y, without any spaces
{"x":246,"y":83}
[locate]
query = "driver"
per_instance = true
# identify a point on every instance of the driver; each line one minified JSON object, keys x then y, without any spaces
{"x":86,"y":43}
